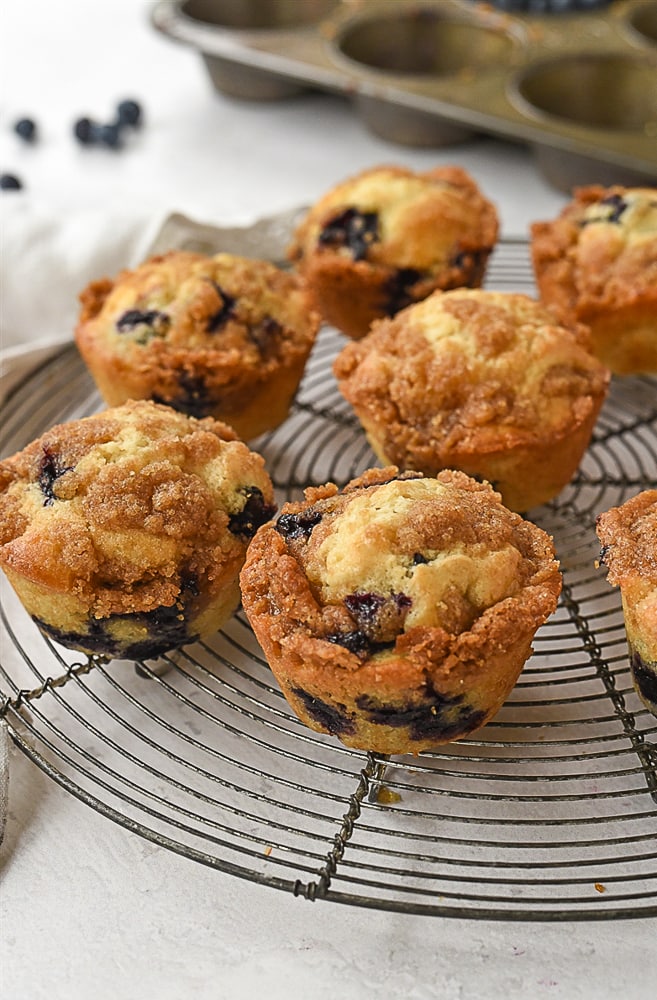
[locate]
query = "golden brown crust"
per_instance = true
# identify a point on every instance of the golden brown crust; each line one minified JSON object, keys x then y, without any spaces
{"x":628,"y":535}
{"x":482,"y":381}
{"x":597,"y":264}
{"x":126,"y":512}
{"x":423,"y":231}
{"x":398,"y":612}
{"x":222,"y":336}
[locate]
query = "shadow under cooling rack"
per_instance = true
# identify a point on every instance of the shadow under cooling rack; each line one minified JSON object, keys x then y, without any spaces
{"x":550,"y":813}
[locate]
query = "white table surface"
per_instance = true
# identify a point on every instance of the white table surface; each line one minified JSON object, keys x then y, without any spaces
{"x":87,"y":908}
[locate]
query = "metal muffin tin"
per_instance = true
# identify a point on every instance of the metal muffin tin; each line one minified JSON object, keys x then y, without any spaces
{"x":580,"y":88}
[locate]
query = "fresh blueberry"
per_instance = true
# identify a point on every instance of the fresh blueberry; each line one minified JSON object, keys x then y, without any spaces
{"x":9,"y":182}
{"x":109,"y":135}
{"x":85,"y":131}
{"x":129,"y":113}
{"x":26,"y":129}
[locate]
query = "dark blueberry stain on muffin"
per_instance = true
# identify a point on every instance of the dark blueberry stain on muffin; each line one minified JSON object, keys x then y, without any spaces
{"x":351,"y":230}
{"x":436,"y":717}
{"x":380,"y":617}
{"x":603,"y":554}
{"x":355,"y":641}
{"x":399,"y":289}
{"x":418,"y":559}
{"x":193,"y":399}
{"x":645,"y":677}
{"x":50,"y":469}
{"x":265,"y":334}
{"x":471,"y":264}
{"x":298,"y":525}
{"x":225,"y":312}
{"x":254,"y":513}
{"x":166,"y":627}
{"x":333,"y":718}
{"x":143,"y":324}
{"x":613,"y":208}
{"x":189,"y":583}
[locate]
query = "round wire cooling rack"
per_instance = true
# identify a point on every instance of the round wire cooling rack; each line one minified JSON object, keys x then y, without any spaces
{"x":548,"y":813}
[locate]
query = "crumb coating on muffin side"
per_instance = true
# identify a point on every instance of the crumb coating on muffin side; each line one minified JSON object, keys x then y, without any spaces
{"x":123,"y":533}
{"x":202,"y":334}
{"x":597,"y":264}
{"x":398,"y":613}
{"x":483,"y":381}
{"x":628,"y":535}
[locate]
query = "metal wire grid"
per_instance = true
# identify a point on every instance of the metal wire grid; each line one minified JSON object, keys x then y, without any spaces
{"x":549,"y":813}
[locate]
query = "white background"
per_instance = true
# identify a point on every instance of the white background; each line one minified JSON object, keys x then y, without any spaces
{"x":87,"y":908}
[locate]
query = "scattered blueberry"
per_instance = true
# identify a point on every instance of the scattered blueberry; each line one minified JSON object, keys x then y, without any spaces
{"x":26,"y":129}
{"x":109,"y":135}
{"x":129,"y":113}
{"x":9,"y":182}
{"x":84,"y":131}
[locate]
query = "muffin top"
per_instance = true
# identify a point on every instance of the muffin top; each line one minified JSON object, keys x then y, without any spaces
{"x":471,"y":370}
{"x":396,"y":554}
{"x":237,"y":311}
{"x":629,"y":539}
{"x":120,"y":506}
{"x":393,"y":217}
{"x":601,"y":250}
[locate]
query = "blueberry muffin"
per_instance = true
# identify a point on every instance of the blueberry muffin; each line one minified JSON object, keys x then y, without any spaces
{"x":597,"y":264}
{"x":397,"y":614}
{"x":628,"y":535}
{"x":223,"y":336}
{"x":388,"y":237}
{"x":124,"y":533}
{"x":485,"y":382}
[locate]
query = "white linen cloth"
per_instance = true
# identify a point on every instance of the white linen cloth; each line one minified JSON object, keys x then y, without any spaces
{"x":47,"y":259}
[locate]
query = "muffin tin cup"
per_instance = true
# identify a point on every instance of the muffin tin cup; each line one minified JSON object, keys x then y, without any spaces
{"x":580,"y":87}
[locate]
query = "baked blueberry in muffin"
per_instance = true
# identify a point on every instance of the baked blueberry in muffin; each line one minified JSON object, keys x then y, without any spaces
{"x":388,"y":237}
{"x":628,"y":535}
{"x":397,"y":613}
{"x":221,"y":336}
{"x":124,"y":533}
{"x":597,"y":264}
{"x":485,"y":382}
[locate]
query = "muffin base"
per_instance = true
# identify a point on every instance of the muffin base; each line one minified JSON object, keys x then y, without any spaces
{"x":526,"y":475}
